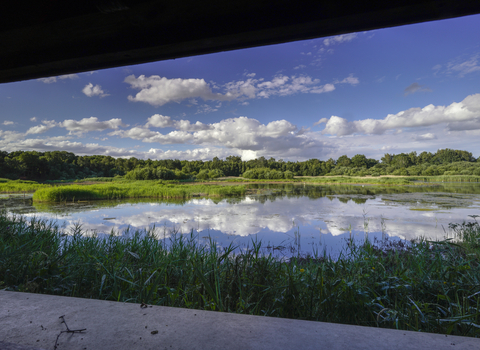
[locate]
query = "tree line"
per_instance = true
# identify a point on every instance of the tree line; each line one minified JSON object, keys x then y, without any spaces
{"x":62,"y":165}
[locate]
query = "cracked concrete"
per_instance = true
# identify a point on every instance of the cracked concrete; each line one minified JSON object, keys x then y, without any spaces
{"x":32,"y":320}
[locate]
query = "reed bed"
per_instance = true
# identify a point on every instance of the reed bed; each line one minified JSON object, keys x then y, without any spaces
{"x":446,"y":178}
{"x":421,"y":286}
{"x":19,"y":186}
{"x":135,"y":189}
{"x":359,"y":180}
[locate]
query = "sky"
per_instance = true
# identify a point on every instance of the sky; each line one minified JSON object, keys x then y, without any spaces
{"x":402,"y":89}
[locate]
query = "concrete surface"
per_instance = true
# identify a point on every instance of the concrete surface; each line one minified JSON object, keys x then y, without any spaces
{"x":33,"y":320}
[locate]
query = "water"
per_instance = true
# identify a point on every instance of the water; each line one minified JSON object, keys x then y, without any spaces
{"x":289,"y":218}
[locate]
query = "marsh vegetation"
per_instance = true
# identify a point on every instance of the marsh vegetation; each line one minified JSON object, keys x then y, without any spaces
{"x":430,"y":286}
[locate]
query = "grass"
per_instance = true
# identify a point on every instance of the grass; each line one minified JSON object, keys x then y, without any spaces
{"x":360,"y":180}
{"x":19,"y":186}
{"x":422,"y":286}
{"x":446,"y":178}
{"x":131,"y":189}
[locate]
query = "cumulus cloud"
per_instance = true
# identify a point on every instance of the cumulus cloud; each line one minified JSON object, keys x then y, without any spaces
{"x":282,"y":85}
{"x":33,"y":119}
{"x":338,"y":39}
{"x":8,"y":122}
{"x":39,"y":129}
{"x":90,"y":90}
{"x":161,"y":121}
{"x":91,"y":124}
{"x":191,"y":154}
{"x":158,"y":91}
{"x":456,"y":114}
{"x":473,"y":124}
{"x":415,"y":87}
{"x":238,"y":134}
{"x":54,"y":144}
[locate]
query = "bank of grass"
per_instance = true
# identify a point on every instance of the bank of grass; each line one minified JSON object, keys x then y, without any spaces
{"x":446,"y":178}
{"x":19,"y":186}
{"x":358,"y":180}
{"x":428,"y":287}
{"x":132,"y":189}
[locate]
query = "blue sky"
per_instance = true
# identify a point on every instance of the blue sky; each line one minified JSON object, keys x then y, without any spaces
{"x":402,"y":89}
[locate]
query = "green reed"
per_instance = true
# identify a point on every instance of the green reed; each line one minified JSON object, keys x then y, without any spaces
{"x":132,"y":189}
{"x":422,"y":286}
{"x":19,"y":186}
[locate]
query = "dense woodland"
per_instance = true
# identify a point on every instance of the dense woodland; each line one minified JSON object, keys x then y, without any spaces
{"x":61,"y":165}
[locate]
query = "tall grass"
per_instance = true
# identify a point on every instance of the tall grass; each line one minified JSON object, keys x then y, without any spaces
{"x":360,"y":180}
{"x":421,"y":286}
{"x":446,"y":178}
{"x":131,"y":189}
{"x":12,"y":186}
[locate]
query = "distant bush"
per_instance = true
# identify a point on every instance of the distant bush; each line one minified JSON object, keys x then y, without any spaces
{"x":159,"y":173}
{"x":266,"y":173}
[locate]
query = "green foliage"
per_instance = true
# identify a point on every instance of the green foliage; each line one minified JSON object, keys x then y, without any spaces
{"x":265,"y":173}
{"x":60,"y":166}
{"x":20,"y":186}
{"x":131,"y":189}
{"x":419,"y":286}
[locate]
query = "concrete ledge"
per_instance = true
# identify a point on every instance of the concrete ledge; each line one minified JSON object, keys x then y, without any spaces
{"x":33,"y":320}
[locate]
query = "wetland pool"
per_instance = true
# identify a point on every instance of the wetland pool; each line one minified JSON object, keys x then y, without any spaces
{"x":287,"y":218}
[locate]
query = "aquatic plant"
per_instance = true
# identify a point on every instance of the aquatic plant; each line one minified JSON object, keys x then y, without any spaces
{"x":19,"y":186}
{"x":421,"y":286}
{"x":131,"y":189}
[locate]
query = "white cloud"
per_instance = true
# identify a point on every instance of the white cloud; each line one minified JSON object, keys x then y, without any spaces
{"x":415,"y":87}
{"x":33,"y":119}
{"x":349,"y":80}
{"x":158,"y":91}
{"x":185,"y":125}
{"x":191,"y":154}
{"x":424,"y":137}
{"x":338,"y":39}
{"x":322,"y":89}
{"x":8,"y":122}
{"x":457,"y":113}
{"x":10,"y":137}
{"x":300,"y":66}
{"x":90,"y":124}
{"x":159,"y":121}
{"x":277,"y":138}
{"x":466,"y":67}
{"x":79,"y":148}
{"x":50,"y":80}
{"x":68,"y":76}
{"x":473,"y":124}
{"x":39,"y":129}
{"x":90,"y":90}
{"x":205,"y":109}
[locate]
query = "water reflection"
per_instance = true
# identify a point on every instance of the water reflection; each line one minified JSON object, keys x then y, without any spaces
{"x":309,"y":218}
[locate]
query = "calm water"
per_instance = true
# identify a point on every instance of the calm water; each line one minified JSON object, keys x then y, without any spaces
{"x":289,"y":217}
